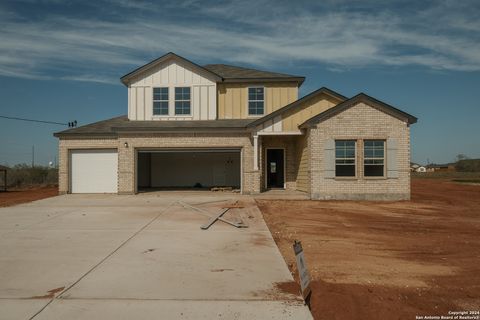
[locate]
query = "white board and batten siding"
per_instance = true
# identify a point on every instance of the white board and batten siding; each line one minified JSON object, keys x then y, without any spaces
{"x":270,"y":126}
{"x":171,"y":74}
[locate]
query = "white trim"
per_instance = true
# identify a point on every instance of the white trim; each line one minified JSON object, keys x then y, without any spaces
{"x":255,"y":153}
{"x":248,"y":100}
{"x":242,"y":150}
{"x":284,"y":166}
{"x":282,"y":133}
{"x":189,"y":100}
{"x":374,"y":158}
{"x":153,"y":102}
{"x":355,"y":161}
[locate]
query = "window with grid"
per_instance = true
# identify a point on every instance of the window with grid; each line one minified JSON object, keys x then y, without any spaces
{"x":255,"y":101}
{"x":373,"y":158}
{"x":182,"y":100}
{"x":345,"y":158}
{"x":160,"y":101}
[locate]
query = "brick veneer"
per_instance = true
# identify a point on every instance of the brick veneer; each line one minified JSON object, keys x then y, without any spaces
{"x":360,"y":122}
{"x":126,"y":155}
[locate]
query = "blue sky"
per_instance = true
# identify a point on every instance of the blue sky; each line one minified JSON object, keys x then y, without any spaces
{"x":61,"y":60}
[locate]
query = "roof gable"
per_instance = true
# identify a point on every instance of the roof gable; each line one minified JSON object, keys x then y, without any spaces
{"x":288,"y":107}
{"x":169,"y":56}
{"x":360,"y":98}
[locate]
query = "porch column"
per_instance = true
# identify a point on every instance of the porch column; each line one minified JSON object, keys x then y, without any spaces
{"x":255,"y":152}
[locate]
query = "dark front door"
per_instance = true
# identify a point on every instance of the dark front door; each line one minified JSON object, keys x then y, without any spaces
{"x":275,"y":163}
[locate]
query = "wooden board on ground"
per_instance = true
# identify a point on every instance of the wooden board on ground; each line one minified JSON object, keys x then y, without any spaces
{"x":213,"y":220}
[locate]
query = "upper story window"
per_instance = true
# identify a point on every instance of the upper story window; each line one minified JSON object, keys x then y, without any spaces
{"x":373,"y":158}
{"x":256,"y":101}
{"x":160,"y":101}
{"x":182,"y":100}
{"x":345,"y":158}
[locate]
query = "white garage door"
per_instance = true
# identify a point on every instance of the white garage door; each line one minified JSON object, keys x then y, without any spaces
{"x":93,"y":171}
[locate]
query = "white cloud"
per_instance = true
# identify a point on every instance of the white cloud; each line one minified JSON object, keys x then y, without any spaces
{"x":90,"y":49}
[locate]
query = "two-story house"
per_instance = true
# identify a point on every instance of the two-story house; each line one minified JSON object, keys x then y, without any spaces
{"x":192,"y":126}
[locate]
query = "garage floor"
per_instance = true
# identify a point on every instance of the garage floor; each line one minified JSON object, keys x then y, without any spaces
{"x":139,"y":257}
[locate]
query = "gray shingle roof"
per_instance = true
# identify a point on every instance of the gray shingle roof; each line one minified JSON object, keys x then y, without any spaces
{"x":220,"y":72}
{"x":234,"y":73}
{"x":155,"y":125}
{"x":101,"y":128}
{"x":111,"y":127}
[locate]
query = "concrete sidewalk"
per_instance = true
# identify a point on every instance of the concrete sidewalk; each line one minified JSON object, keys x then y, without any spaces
{"x":140,"y":257}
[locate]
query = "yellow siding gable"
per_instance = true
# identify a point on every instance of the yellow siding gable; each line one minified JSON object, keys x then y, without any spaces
{"x":310,"y":108}
{"x":233,"y":98}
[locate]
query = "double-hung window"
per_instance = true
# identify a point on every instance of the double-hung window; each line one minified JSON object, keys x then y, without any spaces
{"x":182,"y":101}
{"x":256,"y":101}
{"x":345,"y":158}
{"x":160,"y":101}
{"x":373,"y":158}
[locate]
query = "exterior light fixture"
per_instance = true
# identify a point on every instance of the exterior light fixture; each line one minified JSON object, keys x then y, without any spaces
{"x":126,"y":144}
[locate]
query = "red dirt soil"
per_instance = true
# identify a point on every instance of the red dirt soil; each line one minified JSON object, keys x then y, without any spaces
{"x":10,"y":198}
{"x":386,"y":260}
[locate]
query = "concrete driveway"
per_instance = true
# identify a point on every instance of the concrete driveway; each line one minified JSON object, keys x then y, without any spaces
{"x":140,"y":257}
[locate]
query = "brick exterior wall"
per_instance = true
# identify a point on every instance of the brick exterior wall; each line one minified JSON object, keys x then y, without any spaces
{"x":357,"y":123}
{"x":126,"y":156}
{"x":66,"y":144}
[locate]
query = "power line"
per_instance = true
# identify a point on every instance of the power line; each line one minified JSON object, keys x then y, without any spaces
{"x":33,"y":120}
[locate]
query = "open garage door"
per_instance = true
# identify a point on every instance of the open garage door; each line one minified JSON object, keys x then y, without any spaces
{"x":93,"y":171}
{"x":180,"y":169}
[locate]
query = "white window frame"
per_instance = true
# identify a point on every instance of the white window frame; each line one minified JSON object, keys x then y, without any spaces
{"x":175,"y":101}
{"x":346,"y":158}
{"x":167,"y":101}
{"x":248,"y":101}
{"x":375,"y":158}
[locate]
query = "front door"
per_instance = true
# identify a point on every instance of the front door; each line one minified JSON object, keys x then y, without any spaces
{"x":275,"y":168}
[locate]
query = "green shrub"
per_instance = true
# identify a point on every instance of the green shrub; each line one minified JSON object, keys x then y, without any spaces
{"x":468,"y":165}
{"x":23,"y":175}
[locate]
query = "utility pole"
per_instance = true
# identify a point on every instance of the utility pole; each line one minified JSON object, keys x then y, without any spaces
{"x":33,"y":156}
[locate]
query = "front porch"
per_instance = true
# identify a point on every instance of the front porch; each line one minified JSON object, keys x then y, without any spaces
{"x":282,"y":163}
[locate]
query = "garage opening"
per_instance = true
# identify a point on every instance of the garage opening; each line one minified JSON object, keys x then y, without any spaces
{"x":188,"y":169}
{"x":93,"y":171}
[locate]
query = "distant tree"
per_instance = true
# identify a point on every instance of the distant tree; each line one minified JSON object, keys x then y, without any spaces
{"x":460,"y":156}
{"x":468,"y":165}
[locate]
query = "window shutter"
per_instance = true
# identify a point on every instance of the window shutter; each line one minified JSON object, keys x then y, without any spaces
{"x":392,"y":167}
{"x":329,"y":159}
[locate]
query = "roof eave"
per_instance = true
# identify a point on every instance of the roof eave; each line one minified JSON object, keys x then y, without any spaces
{"x":85,"y":134}
{"x":299,"y":80}
{"x":176,"y":129}
{"x":361,"y":97}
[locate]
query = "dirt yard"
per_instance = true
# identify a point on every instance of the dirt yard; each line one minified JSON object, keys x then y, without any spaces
{"x":14,"y":197}
{"x":377,"y":260}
